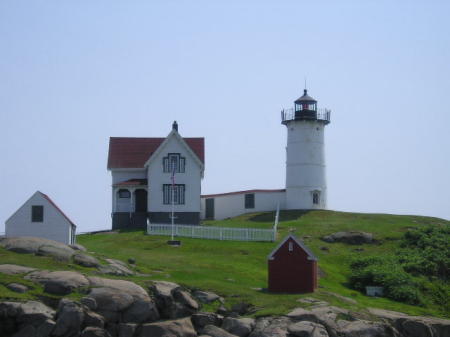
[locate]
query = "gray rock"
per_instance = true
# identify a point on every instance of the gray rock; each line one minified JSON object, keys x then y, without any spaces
{"x":109,"y":299}
{"x":414,"y":326}
{"x":26,"y":331}
{"x":361,"y":328}
{"x":271,"y":327}
{"x":352,"y":237}
{"x":127,"y":329}
{"x":89,"y":302}
{"x":241,"y":308}
{"x":164,"y":288}
{"x":12,"y":269}
{"x":17,"y":287}
{"x":85,"y":260}
{"x":58,"y":282}
{"x":174,"y":328}
{"x":77,"y":246}
{"x":115,"y":267}
{"x":185,"y":298}
{"x":69,"y":319}
{"x":132,"y":260}
{"x":46,"y":328}
{"x":215,"y":331}
{"x":202,"y":319}
{"x":141,"y":311}
{"x":127,"y":287}
{"x":205,"y":296}
{"x":93,"y":319}
{"x":58,"y":253}
{"x":113,"y":329}
{"x":301,"y":314}
{"x":95,"y":332}
{"x":31,"y":312}
{"x":241,"y":327}
{"x":307,"y":329}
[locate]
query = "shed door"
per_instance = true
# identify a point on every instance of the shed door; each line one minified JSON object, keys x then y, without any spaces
{"x":209,"y":214}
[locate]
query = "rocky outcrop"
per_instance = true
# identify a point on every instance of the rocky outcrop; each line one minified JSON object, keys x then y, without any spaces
{"x":172,"y":300}
{"x":86,"y":260}
{"x":353,"y":238}
{"x":12,"y":269}
{"x":58,"y":282}
{"x":173,"y":328}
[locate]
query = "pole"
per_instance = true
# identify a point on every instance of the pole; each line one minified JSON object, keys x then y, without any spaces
{"x":173,"y":208}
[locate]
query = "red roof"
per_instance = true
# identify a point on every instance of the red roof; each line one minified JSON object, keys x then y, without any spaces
{"x":240,"y":192}
{"x":133,"y":182}
{"x":54,"y":205}
{"x":127,"y":152}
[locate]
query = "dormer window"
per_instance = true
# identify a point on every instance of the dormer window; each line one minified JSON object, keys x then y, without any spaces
{"x":174,"y":162}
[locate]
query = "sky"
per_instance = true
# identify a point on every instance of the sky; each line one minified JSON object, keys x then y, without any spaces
{"x":74,"y":73}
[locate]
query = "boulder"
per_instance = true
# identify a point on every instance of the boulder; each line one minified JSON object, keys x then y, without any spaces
{"x":58,"y":282}
{"x":115,"y":267}
{"x":58,"y":253}
{"x":173,"y":328}
{"x":241,"y":308}
{"x":127,"y":287}
{"x":414,"y":326}
{"x":172,"y":301}
{"x":141,"y":311}
{"x":26,"y":331}
{"x":12,"y":269}
{"x":271,"y":327}
{"x":202,"y":319}
{"x":360,"y":328}
{"x":214,"y":331}
{"x":109,"y":299}
{"x":241,"y":327}
{"x":89,"y":302}
{"x":127,"y":329}
{"x":77,"y":246}
{"x":93,"y":319}
{"x":307,"y":329}
{"x":301,"y":314}
{"x":45,"y":329}
{"x":85,"y":260}
{"x":205,"y":296}
{"x":70,"y":318}
{"x":352,"y":237}
{"x":17,"y":287}
{"x":31,"y":312}
{"x":95,"y":332}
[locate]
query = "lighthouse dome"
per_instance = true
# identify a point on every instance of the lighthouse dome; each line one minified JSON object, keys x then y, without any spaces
{"x":305,"y":98}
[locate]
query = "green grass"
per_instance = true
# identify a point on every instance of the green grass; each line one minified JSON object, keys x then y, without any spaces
{"x":237,"y":270}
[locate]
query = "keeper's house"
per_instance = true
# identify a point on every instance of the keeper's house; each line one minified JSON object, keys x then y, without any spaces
{"x":152,"y":175}
{"x":39,"y":216}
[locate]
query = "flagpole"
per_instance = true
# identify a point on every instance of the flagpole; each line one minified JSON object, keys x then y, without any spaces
{"x":173,"y":202}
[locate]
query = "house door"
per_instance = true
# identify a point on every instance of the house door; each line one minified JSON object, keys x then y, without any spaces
{"x":141,"y":201}
{"x":209,"y":213}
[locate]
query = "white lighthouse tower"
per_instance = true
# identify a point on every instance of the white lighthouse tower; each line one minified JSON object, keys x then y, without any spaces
{"x":306,"y":186}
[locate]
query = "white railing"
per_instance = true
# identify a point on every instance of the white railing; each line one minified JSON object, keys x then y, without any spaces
{"x":214,"y":233}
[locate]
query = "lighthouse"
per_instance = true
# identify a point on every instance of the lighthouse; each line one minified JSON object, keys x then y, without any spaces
{"x":306,"y":186}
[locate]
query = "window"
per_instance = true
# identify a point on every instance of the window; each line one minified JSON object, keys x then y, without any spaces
{"x":291,"y":246}
{"x":174,"y":161}
{"x":124,"y":194}
{"x":316,"y":197}
{"x":250,"y":200}
{"x":37,"y":213}
{"x":178,"y":194}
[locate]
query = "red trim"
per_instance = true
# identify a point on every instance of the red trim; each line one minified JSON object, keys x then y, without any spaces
{"x":57,"y":208}
{"x":241,"y":192}
{"x":134,"y":182}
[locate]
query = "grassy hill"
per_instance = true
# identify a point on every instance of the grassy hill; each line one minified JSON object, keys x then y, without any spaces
{"x":238,"y":270}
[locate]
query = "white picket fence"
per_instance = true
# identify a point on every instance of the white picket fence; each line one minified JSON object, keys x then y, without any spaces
{"x":214,"y":233}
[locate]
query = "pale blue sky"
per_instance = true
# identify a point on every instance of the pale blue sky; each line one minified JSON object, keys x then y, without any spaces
{"x":72,"y":74}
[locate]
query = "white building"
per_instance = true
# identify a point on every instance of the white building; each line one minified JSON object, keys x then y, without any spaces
{"x":143,"y":186}
{"x":305,"y":169}
{"x":39,"y":216}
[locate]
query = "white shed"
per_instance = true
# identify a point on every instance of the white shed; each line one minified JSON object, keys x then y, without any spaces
{"x":39,"y":216}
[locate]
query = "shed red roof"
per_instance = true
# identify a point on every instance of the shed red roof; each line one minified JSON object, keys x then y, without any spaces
{"x":56,"y":206}
{"x":128,"y":152}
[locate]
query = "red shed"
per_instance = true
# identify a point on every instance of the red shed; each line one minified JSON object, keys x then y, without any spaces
{"x":292,"y":267}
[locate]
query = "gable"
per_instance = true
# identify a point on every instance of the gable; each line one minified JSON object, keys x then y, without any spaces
{"x":298,"y":243}
{"x":39,"y":197}
{"x":128,"y":152}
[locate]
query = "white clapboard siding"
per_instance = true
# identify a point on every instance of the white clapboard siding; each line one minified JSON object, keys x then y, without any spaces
{"x":215,"y":233}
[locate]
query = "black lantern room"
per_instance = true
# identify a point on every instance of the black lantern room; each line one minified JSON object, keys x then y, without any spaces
{"x":305,"y":107}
